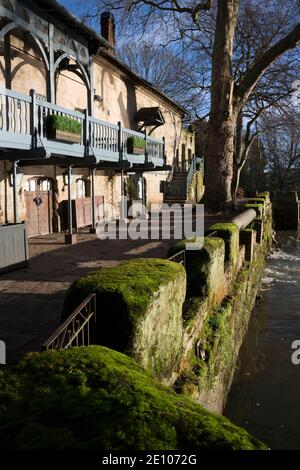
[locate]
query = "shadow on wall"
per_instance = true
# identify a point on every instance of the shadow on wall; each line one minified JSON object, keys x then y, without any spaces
{"x":128,"y":111}
{"x":22,"y":69}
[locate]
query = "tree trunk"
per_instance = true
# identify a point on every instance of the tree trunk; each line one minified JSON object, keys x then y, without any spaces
{"x":237,"y":182}
{"x":222,"y":120}
{"x":238,"y":151}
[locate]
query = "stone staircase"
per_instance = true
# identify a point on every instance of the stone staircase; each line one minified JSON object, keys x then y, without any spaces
{"x":176,"y":189}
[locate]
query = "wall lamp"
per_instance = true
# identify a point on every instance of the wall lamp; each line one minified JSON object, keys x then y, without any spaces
{"x":97,"y":98}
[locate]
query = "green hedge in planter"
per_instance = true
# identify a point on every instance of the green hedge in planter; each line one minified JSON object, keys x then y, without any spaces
{"x":62,"y":123}
{"x":136,"y":142}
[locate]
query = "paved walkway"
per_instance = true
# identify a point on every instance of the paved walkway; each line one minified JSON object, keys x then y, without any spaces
{"x":31,"y":299}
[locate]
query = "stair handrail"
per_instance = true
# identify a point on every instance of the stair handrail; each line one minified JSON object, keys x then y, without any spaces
{"x":174,"y":165}
{"x":190,"y":173}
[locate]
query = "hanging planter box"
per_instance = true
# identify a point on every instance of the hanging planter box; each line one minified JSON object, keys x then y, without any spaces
{"x":63,"y":128}
{"x":136,"y":145}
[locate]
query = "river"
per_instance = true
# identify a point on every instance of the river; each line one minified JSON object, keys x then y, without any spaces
{"x":265,"y":394}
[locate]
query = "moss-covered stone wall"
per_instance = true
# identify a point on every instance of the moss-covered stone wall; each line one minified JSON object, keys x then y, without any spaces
{"x":214,"y":330}
{"x":186,"y":335}
{"x":96,"y":398}
{"x":139,"y":310}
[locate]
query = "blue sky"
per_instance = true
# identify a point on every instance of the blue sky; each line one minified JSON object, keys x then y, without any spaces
{"x":71,"y":5}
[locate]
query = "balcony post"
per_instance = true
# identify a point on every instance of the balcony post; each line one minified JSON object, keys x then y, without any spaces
{"x":51,"y":71}
{"x":15,"y":196}
{"x":93,"y":228}
{"x":164,"y":151}
{"x":33,"y":119}
{"x":146,"y":149}
{"x":123,"y":201}
{"x":86,"y":134}
{"x":70,"y":237}
{"x":120,"y":148}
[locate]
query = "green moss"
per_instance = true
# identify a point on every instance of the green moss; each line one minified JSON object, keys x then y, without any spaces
{"x":217,"y":340}
{"x":223,"y":330}
{"x":226,"y":227}
{"x":229,"y":232}
{"x":123,"y":294}
{"x":197,"y":264}
{"x":96,"y":398}
{"x":256,"y":200}
{"x":259,"y":208}
{"x":191,"y":309}
{"x":62,"y":123}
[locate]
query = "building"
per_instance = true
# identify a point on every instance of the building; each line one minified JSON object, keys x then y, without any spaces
{"x":62,"y":172}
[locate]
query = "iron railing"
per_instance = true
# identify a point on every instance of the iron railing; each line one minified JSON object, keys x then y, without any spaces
{"x":78,"y":329}
{"x":178,"y":257}
{"x":176,"y":188}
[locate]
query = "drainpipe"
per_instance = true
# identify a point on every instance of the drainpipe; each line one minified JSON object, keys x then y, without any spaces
{"x":93,"y":228}
{"x":70,"y":238}
{"x":15,"y":196}
{"x":122,"y":204}
{"x":5,"y":194}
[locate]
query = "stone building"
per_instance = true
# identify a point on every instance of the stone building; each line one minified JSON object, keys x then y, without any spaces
{"x":63,"y":176}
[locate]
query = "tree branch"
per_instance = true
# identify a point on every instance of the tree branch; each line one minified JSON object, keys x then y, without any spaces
{"x":244,"y":88}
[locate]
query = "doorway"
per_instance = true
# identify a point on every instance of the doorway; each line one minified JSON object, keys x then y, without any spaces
{"x":39,"y":209}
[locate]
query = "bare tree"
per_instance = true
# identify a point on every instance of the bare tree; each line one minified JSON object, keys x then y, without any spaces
{"x":169,"y":70}
{"x":281,"y":144}
{"x":237,"y":67}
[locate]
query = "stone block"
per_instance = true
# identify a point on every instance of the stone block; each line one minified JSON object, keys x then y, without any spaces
{"x":229,"y":232}
{"x":139,"y":310}
{"x":248,"y":239}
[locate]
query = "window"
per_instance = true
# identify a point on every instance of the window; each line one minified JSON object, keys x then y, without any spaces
{"x":30,"y":185}
{"x":83,"y":188}
{"x":45,"y":185}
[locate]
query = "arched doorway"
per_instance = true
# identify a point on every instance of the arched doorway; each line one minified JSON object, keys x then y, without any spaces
{"x":38,"y":200}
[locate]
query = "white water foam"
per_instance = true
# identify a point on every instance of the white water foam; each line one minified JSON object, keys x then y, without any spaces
{"x":281,"y":255}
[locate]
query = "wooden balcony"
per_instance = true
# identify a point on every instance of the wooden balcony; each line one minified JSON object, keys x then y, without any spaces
{"x":22,"y":128}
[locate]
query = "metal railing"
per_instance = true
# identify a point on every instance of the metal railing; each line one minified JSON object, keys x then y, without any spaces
{"x":178,"y":257}
{"x":180,"y":188}
{"x":176,"y":188}
{"x":23,"y":116}
{"x":190,"y":174}
{"x":78,"y":329}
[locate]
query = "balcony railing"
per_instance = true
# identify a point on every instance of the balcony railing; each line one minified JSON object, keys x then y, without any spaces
{"x":22,"y":126}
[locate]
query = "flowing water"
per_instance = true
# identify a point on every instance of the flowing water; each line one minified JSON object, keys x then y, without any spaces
{"x":265,"y":395}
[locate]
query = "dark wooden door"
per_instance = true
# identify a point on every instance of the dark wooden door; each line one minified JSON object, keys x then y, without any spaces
{"x":38,"y":211}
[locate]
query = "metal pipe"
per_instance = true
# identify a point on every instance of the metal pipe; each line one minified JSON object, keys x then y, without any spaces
{"x":244,"y":218}
{"x":70,"y":218}
{"x":15,"y":200}
{"x":93,"y":199}
{"x":122,"y":205}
